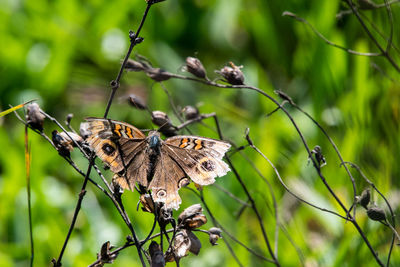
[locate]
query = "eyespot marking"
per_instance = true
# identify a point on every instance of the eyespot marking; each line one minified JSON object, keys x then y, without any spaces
{"x":108,"y":149}
{"x":161,"y":193}
{"x":208,"y":165}
{"x":183,"y":182}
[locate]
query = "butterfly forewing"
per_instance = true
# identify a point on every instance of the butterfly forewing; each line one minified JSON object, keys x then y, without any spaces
{"x":104,"y":136}
{"x":199,"y":157}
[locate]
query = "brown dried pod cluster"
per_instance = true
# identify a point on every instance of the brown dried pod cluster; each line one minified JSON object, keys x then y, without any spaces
{"x":195,"y":67}
{"x":34,"y":117}
{"x":185,"y":240}
{"x":65,"y":142}
{"x":232,"y":74}
{"x":192,"y":217}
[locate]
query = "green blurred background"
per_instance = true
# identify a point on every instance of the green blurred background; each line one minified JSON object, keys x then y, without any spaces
{"x":65,"y":53}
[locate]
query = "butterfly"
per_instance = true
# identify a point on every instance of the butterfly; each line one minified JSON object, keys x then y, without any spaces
{"x":162,"y":166}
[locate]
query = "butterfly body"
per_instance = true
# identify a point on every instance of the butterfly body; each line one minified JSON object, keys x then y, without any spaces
{"x":163,"y":166}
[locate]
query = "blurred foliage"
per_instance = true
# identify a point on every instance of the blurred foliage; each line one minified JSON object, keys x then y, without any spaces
{"x":65,"y":53}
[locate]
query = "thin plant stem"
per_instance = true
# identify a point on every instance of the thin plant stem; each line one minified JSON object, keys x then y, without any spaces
{"x":28,"y":192}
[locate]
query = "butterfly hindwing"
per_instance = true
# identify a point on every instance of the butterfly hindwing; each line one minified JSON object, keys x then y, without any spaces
{"x":168,"y":178}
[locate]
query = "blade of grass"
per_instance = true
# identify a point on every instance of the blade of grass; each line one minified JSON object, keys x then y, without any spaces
{"x":28,"y":188}
{"x":5,"y":112}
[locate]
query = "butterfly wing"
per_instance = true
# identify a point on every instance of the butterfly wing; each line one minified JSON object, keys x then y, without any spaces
{"x":199,"y":157}
{"x":119,"y":145}
{"x":168,"y":178}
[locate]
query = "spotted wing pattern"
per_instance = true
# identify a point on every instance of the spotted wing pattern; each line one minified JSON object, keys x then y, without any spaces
{"x":127,"y":152}
{"x":199,"y":157}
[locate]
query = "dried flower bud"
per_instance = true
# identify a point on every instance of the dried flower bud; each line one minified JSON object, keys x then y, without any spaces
{"x":284,"y":96}
{"x":195,"y":67}
{"x":69,"y":118}
{"x":375,"y":213}
{"x":318,"y":155}
{"x":160,"y":118}
{"x":156,"y":254}
{"x":365,"y":198}
{"x":184,"y":242}
{"x":233,"y":74}
{"x":133,"y":65}
{"x":147,"y":202}
{"x":190,"y":112}
{"x":192,"y":217}
{"x":105,"y":255}
{"x":195,"y":244}
{"x":34,"y":117}
{"x":64,"y":143}
{"x":158,"y":74}
{"x":136,"y":102}
{"x":215,"y":234}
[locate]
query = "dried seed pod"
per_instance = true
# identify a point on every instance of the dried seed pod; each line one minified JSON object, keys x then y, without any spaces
{"x":195,"y":67}
{"x":158,"y":74}
{"x":284,"y":96}
{"x":136,"y":102}
{"x":195,"y":244}
{"x":64,"y":143}
{"x":105,"y":255}
{"x":34,"y":117}
{"x":318,"y":155}
{"x":156,"y":254}
{"x":192,"y":217}
{"x":365,"y":198}
{"x":181,"y":244}
{"x":69,"y":118}
{"x":375,"y":213}
{"x":147,"y":202}
{"x":190,"y":112}
{"x":133,"y":65}
{"x":162,"y":120}
{"x":215,"y":234}
{"x":233,"y":74}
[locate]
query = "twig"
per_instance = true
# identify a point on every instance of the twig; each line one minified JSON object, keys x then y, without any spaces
{"x":76,"y":212}
{"x":290,"y":14}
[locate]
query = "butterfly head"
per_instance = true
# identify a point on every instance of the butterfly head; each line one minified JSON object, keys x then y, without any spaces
{"x":154,"y":140}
